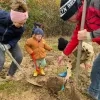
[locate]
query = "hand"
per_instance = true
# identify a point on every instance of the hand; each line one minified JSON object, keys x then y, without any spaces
{"x":4,"y":47}
{"x":84,"y":35}
{"x":60,"y":58}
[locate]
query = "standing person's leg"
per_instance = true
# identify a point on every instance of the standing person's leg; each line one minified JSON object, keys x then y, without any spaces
{"x":17,"y":54}
{"x":94,"y":88}
{"x":43,"y":63}
{"x":42,"y":66}
{"x":2,"y":59}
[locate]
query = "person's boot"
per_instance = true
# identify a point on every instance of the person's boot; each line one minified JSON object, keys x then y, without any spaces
{"x":35,"y":73}
{"x":42,"y":71}
{"x":11,"y":78}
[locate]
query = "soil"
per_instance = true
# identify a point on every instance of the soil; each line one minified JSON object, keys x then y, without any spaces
{"x":51,"y":82}
{"x":54,"y":85}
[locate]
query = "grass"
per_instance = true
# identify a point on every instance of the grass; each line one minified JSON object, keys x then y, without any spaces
{"x":9,"y":87}
{"x":14,"y":87}
{"x":6,"y":85}
{"x":54,"y":46}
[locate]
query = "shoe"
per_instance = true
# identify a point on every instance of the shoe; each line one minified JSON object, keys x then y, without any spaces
{"x":35,"y":73}
{"x":64,"y":74}
{"x":91,"y":95}
{"x":11,"y":78}
{"x":42,"y":71}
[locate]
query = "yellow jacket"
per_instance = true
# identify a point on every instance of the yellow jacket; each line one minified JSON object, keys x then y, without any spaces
{"x":38,"y":48}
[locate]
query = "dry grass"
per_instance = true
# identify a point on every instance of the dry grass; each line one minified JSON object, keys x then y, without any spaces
{"x":23,"y":91}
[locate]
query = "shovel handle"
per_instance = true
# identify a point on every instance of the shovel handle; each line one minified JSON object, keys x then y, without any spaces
{"x":80,"y":42}
{"x":18,"y":66}
{"x":37,"y":68}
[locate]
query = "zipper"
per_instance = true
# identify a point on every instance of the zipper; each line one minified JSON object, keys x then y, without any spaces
{"x":5,"y":32}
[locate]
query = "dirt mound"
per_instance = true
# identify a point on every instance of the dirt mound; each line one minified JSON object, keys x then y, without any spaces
{"x":54,"y":84}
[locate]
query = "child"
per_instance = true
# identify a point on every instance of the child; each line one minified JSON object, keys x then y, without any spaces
{"x":86,"y":57}
{"x":11,"y":30}
{"x":36,"y":47}
{"x":37,"y":25}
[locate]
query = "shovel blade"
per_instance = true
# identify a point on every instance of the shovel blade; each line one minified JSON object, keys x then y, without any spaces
{"x":34,"y":83}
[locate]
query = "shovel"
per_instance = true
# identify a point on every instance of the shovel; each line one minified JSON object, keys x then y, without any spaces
{"x":18,"y":66}
{"x":63,"y":86}
{"x":80,"y":42}
{"x":37,"y":67}
{"x":74,"y":95}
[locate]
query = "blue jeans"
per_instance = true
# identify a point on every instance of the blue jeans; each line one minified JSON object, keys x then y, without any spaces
{"x":17,"y":54}
{"x":94,"y":87}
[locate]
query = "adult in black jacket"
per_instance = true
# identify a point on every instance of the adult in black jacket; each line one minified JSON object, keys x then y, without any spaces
{"x":11,"y":30}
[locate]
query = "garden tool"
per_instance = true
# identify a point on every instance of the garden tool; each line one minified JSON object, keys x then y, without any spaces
{"x":37,"y":67}
{"x":63,"y":74}
{"x":74,"y":94}
{"x":68,"y":73}
{"x":80,"y":42}
{"x":26,"y":78}
{"x":63,"y":86}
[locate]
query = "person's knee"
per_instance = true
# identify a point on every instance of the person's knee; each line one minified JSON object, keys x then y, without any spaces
{"x":95,"y":73}
{"x":96,"y":65}
{"x":19,"y":58}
